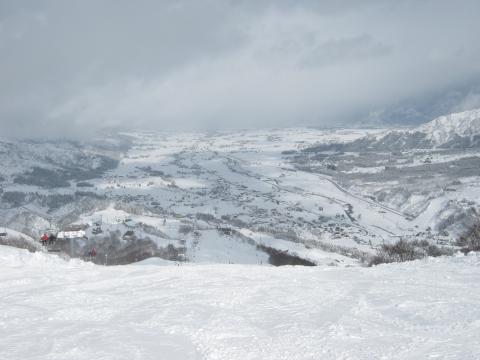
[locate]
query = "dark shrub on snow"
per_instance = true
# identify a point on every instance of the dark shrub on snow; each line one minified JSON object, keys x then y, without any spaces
{"x":404,"y":250}
{"x":470,"y":241}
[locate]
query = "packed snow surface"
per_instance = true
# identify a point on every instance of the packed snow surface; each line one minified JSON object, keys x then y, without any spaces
{"x":54,"y":309}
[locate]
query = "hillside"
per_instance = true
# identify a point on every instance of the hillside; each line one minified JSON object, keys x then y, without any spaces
{"x":452,"y":131}
{"x":446,"y":130}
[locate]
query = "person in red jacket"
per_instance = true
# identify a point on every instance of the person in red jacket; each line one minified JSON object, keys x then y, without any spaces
{"x":44,"y":239}
{"x":93,"y":253}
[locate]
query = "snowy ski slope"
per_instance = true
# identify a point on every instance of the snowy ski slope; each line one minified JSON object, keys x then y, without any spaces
{"x":52,"y":309}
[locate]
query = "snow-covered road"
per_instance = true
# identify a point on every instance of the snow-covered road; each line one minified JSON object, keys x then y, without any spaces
{"x":52,"y":309}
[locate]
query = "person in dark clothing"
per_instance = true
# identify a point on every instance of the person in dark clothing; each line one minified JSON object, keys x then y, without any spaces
{"x":51,"y":239}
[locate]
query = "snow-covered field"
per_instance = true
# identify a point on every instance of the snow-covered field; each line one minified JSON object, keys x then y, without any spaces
{"x":53,"y":309}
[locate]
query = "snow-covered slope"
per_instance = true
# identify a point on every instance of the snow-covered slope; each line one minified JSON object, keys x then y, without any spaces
{"x":49,"y":160}
{"x":51,"y":309}
{"x":15,"y":238}
{"x":448,"y":128}
{"x":454,"y":131}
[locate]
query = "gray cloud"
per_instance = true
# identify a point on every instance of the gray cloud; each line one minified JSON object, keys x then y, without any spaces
{"x":71,"y":68}
{"x":343,"y":50}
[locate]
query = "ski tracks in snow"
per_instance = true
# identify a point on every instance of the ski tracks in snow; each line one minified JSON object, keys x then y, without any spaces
{"x":52,"y":309}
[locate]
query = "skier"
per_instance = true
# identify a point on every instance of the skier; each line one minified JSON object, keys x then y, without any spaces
{"x":44,"y":239}
{"x":93,"y":253}
{"x":51,"y":239}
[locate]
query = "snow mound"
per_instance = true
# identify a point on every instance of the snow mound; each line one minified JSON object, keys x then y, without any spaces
{"x":449,"y":127}
{"x":11,"y":256}
{"x":19,"y":239}
{"x":156,"y":261}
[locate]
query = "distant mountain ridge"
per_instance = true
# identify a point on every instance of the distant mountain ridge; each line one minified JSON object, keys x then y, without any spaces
{"x":51,"y":164}
{"x":453,"y":131}
{"x":449,"y":128}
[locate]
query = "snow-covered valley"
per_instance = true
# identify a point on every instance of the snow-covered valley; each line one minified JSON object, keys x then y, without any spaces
{"x":56,"y":309}
{"x":279,"y":196}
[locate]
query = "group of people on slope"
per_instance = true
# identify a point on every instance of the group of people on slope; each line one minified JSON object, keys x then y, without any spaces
{"x":47,"y":239}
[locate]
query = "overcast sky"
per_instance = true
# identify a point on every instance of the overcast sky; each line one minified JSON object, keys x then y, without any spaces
{"x":73,"y":67}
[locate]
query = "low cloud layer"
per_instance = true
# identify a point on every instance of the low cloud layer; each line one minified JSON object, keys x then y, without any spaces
{"x":72,"y":68}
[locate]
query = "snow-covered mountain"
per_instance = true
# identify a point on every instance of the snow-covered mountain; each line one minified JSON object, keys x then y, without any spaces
{"x":51,"y":164}
{"x":448,"y":130}
{"x":52,"y":309}
{"x":453,"y":131}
